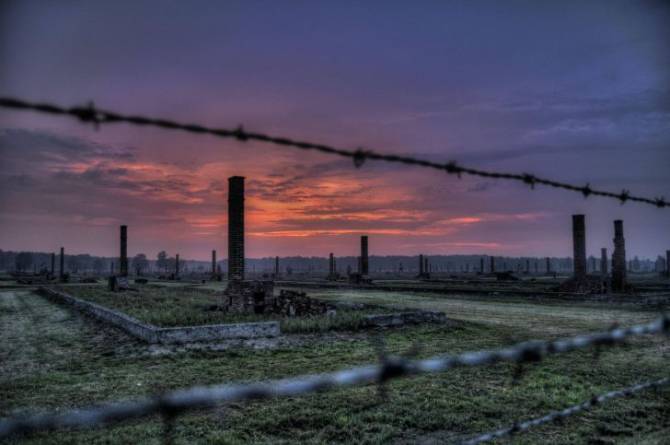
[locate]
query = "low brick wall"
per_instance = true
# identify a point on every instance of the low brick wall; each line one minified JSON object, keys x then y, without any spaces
{"x":154,"y":334}
{"x":402,"y":318}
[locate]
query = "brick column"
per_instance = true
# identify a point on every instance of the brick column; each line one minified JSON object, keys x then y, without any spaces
{"x":236,"y":228}
{"x":62,"y":263}
{"x":364,"y":255}
{"x":579,"y":246}
{"x":619,"y":258}
{"x":123,"y":256}
{"x":331,"y":265}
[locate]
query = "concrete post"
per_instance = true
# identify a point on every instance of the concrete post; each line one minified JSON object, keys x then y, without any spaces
{"x":619,"y":258}
{"x":123,"y":257}
{"x":364,"y":255}
{"x":579,"y":247}
{"x":236,"y":228}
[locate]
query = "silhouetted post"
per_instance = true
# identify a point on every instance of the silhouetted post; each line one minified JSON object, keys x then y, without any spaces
{"x":619,"y":258}
{"x":493,"y":264}
{"x":331,"y":265}
{"x":236,"y":228}
{"x":421,"y":265}
{"x":176,"y":266}
{"x":53,"y":264}
{"x":213,"y":263}
{"x":667,"y":263}
{"x":579,"y":247}
{"x":62,"y":263}
{"x":426,"y":265}
{"x":364,"y":255}
{"x":603,"y":264}
{"x":123,"y":257}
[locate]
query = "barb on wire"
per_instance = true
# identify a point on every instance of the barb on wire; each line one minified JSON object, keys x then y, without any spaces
{"x":89,"y":113}
{"x":567,"y":412}
{"x":201,"y":397}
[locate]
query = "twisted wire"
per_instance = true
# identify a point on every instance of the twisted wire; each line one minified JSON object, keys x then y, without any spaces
{"x":90,"y":113}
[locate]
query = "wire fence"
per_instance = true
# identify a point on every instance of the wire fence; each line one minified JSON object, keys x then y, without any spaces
{"x":99,"y":117}
{"x":567,"y":412}
{"x":172,"y":404}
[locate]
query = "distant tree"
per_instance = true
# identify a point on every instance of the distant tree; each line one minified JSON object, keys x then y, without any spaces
{"x":98,"y":265}
{"x":161,"y":263}
{"x":23,"y":261}
{"x":171,"y":264}
{"x":140,"y":263}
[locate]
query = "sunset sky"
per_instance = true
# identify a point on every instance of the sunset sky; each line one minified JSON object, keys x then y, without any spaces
{"x":577,"y":91}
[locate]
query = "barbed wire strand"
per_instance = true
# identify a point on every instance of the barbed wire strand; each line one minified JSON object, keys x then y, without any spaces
{"x":90,"y":113}
{"x":567,"y":412}
{"x":179,"y":401}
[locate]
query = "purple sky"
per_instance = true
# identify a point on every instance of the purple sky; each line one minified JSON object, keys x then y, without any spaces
{"x":576,"y":91}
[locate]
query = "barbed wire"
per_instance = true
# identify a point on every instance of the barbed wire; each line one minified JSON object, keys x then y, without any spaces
{"x":173,"y":403}
{"x":567,"y":412}
{"x":90,"y":113}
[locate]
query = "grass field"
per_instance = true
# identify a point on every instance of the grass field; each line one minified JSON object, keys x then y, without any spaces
{"x":188,"y":305}
{"x":54,"y":359}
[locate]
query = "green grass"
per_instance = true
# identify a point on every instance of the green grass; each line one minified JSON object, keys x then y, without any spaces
{"x":189,"y":306}
{"x":53,"y":358}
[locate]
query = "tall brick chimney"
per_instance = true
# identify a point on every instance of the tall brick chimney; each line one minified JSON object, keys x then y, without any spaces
{"x":364,"y":255}
{"x":236,"y":228}
{"x":123,"y":257}
{"x":619,"y":258}
{"x":579,"y":246}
